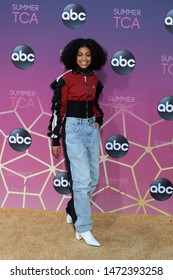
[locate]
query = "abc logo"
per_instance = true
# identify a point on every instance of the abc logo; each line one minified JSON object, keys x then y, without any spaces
{"x":117,"y":146}
{"x":169,"y":21}
{"x":19,"y":140}
{"x":23,"y":57}
{"x":161,"y":189}
{"x":61,"y":183}
{"x":73,"y":16}
{"x":165,"y":108}
{"x":123,"y":62}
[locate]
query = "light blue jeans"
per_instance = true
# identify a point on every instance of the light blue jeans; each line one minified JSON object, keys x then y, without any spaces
{"x":82,"y":141}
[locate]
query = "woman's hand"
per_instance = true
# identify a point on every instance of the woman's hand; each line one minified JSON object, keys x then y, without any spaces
{"x":96,"y":125}
{"x":56,"y":151}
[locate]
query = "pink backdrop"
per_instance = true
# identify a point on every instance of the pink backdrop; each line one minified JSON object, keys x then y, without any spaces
{"x":129,"y":101}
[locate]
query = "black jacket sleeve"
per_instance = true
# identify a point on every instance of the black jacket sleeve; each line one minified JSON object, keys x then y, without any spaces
{"x":99,"y":89}
{"x":56,"y":119}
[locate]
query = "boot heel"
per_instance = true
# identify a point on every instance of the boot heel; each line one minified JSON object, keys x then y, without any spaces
{"x":69,"y":219}
{"x":88,"y":238}
{"x":78,"y":236}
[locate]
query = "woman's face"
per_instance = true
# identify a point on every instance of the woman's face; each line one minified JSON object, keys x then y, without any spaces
{"x":83,"y":59}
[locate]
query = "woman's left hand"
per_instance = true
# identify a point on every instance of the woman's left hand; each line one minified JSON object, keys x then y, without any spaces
{"x":96,"y":125}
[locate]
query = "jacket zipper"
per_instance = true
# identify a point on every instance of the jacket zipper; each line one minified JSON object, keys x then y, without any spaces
{"x":88,"y":91}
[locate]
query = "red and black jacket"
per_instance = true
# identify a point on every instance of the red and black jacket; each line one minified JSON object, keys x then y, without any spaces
{"x":76,"y":94}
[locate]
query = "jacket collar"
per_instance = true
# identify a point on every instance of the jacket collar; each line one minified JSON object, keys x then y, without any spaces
{"x":86,"y":71}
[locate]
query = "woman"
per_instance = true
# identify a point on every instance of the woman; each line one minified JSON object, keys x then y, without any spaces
{"x":77,"y":117}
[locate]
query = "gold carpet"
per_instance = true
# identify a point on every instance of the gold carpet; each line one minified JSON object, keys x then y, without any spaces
{"x":44,"y":235}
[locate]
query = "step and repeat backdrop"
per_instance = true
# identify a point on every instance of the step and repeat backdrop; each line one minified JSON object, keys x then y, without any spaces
{"x":136,"y":146}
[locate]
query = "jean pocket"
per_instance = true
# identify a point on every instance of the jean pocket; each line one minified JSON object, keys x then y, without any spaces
{"x":71,"y":127}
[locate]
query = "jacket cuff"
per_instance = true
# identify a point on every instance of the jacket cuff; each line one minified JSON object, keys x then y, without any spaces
{"x":99,"y":120}
{"x":55,"y":142}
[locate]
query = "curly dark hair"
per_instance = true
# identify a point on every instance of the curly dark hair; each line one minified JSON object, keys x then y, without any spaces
{"x":69,"y":54}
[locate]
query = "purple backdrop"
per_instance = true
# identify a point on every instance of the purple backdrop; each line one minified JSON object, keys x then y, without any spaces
{"x":130,"y":103}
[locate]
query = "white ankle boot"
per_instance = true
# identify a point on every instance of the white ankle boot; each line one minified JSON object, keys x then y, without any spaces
{"x":88,"y":238}
{"x":69,"y":219}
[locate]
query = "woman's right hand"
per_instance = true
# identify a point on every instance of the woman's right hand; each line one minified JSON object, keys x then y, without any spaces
{"x":56,"y":151}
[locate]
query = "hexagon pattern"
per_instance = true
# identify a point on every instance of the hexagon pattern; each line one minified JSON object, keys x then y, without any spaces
{"x":129,"y":102}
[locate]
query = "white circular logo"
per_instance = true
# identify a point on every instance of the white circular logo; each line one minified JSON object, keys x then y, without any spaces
{"x":61,"y":183}
{"x":23,"y":57}
{"x":123,"y":62}
{"x":73,"y":16}
{"x":169,"y":21}
{"x":20,"y":139}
